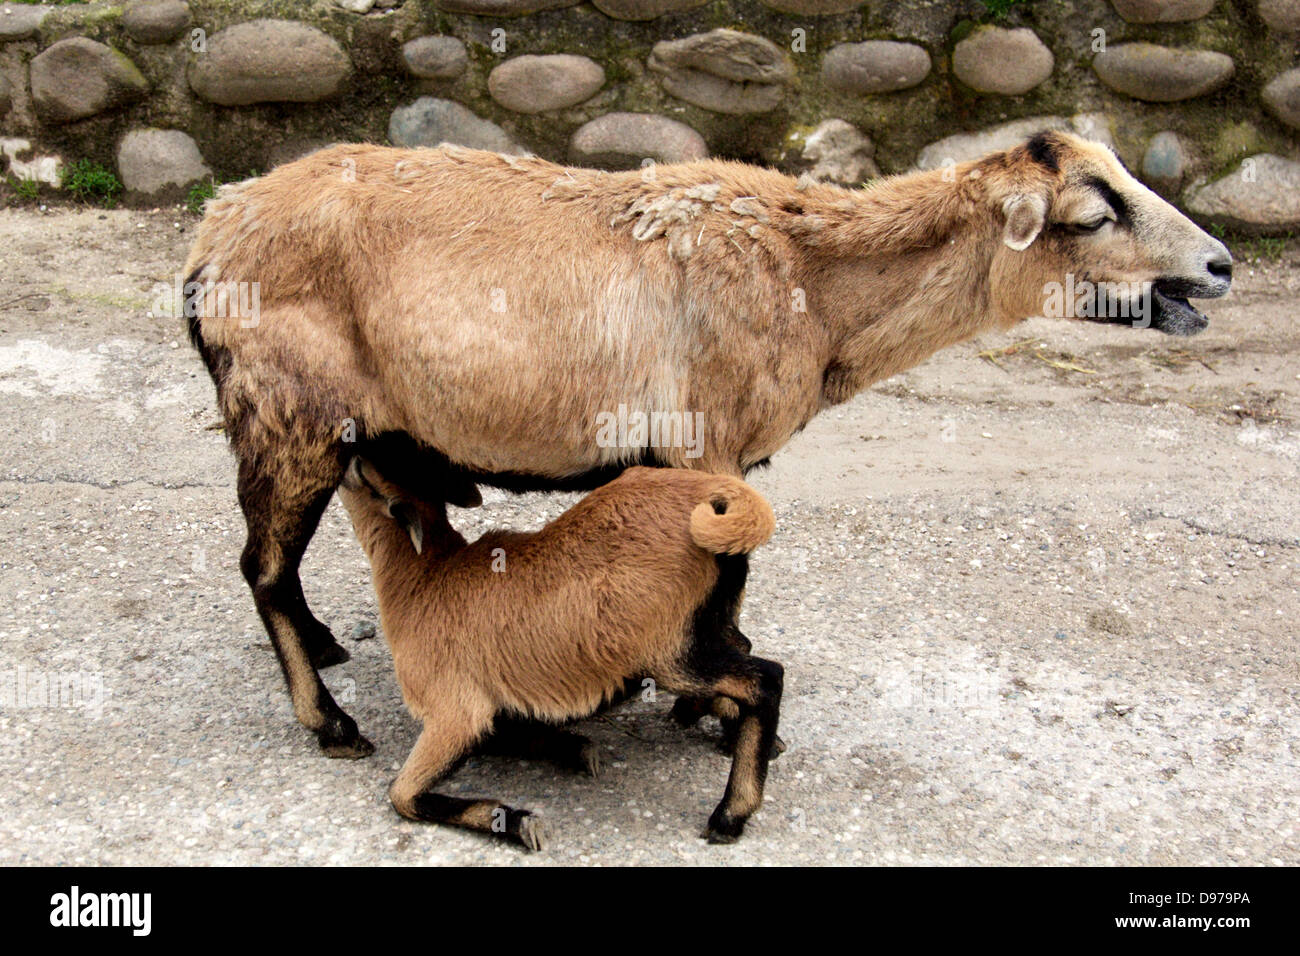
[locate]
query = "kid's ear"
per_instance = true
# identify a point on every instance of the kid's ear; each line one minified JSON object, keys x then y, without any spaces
{"x":352,"y":477}
{"x":1026,"y":215}
{"x":463,"y":494}
{"x":408,"y":518}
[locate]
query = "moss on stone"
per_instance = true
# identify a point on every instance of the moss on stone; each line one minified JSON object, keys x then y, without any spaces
{"x":1234,"y":142}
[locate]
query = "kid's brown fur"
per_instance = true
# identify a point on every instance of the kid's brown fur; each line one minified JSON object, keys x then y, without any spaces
{"x":550,"y":625}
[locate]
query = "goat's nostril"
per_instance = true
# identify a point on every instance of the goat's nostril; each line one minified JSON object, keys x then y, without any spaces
{"x":1222,"y":268}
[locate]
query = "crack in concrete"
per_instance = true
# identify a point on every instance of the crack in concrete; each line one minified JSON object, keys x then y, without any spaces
{"x":1203,"y":528}
{"x":109,"y":485}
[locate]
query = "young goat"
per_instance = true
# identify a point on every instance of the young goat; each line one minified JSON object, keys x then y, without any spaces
{"x":642,"y":578}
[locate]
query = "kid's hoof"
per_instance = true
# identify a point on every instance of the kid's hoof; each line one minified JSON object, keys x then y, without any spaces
{"x":687,"y":711}
{"x":327,"y":655}
{"x":529,"y":832}
{"x":354,"y":749}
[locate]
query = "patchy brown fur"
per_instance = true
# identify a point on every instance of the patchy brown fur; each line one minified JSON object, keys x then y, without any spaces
{"x":491,"y":307}
{"x":670,"y":291}
{"x":550,"y":625}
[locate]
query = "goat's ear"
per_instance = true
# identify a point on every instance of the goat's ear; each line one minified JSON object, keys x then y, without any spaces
{"x":1026,"y":216}
{"x":408,"y":518}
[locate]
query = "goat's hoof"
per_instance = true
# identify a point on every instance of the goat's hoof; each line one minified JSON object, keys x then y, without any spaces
{"x":589,"y":757}
{"x":528,"y":831}
{"x":354,"y":749}
{"x":778,"y":747}
{"x":328,"y":655}
{"x":723,"y":827}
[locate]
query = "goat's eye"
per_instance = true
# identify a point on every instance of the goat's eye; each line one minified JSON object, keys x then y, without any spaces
{"x":1092,"y":226}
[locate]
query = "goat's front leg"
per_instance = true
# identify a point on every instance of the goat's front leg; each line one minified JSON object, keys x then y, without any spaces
{"x":283,"y":494}
{"x":441,"y":745}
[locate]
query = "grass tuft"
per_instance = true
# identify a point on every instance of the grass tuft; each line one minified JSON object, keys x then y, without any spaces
{"x":200,"y":193}
{"x":92,"y":182}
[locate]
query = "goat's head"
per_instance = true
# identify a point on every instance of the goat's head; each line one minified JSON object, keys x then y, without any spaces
{"x":1081,"y":238}
{"x":370,"y":498}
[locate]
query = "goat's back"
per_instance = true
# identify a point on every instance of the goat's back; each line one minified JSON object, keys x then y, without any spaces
{"x":440,"y":292}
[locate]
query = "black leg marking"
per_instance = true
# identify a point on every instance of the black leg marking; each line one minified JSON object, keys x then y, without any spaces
{"x":282,"y":516}
{"x":442,"y":744}
{"x":484,"y":816}
{"x":755,"y":737}
{"x":688,"y":711}
{"x":536,"y":740}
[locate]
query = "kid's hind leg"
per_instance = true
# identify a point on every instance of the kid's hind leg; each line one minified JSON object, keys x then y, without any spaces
{"x":688,"y":711}
{"x":536,"y":740}
{"x":435,"y":754}
{"x":755,"y":685}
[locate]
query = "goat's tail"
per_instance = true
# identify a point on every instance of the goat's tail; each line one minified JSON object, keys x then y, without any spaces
{"x":735,"y":519}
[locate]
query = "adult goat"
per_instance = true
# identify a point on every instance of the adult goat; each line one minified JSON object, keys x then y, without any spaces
{"x":473,"y":317}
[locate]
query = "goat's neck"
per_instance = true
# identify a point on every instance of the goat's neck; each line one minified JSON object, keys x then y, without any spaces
{"x":898,"y":273}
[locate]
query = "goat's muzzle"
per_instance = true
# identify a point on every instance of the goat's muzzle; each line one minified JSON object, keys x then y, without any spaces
{"x":1172,"y":314}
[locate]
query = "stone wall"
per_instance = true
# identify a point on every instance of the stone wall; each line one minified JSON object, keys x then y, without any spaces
{"x":1202,"y":97}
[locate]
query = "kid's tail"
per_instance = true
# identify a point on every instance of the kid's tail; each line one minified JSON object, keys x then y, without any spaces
{"x":735,"y":519}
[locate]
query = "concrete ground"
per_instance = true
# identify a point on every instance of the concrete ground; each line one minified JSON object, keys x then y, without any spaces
{"x":1035,"y":606}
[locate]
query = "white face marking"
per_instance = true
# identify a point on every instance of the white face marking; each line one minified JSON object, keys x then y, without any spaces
{"x":1175,"y":247}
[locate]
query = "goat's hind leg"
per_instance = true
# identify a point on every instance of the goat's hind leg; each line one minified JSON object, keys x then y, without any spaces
{"x":537,"y":740}
{"x":283,"y":496}
{"x":688,"y":711}
{"x":755,"y":686}
{"x":436,"y":753}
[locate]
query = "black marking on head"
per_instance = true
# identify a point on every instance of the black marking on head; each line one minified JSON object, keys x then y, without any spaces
{"x":766,"y":462}
{"x":1042,"y":148}
{"x":1116,"y":202}
{"x":421,"y":471}
{"x":355,"y":477}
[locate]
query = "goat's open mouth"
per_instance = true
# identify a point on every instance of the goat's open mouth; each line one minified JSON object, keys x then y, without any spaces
{"x":1174,"y":315}
{"x":1162,"y":306}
